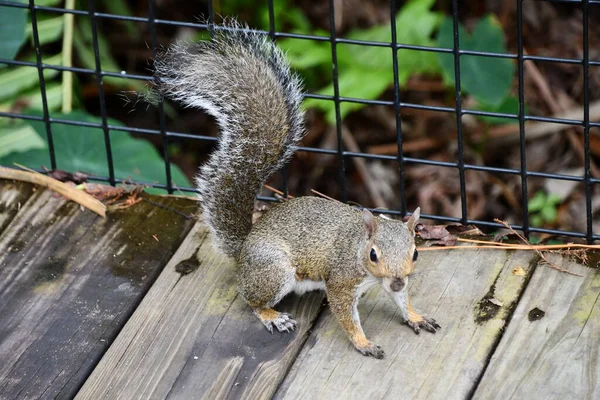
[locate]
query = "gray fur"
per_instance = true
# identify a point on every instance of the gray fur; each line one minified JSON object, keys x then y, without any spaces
{"x":243,"y":80}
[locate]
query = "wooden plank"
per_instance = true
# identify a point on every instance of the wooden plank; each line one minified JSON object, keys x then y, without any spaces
{"x":192,"y":337}
{"x":452,"y":286}
{"x":554,"y":356}
{"x":13,"y":195}
{"x":68,"y":282}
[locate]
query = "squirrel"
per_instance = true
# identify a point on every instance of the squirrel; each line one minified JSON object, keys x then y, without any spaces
{"x":243,"y":80}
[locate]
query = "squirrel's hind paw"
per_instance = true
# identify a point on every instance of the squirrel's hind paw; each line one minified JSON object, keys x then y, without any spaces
{"x":427,"y":323}
{"x":283,"y":322}
{"x":372,"y":350}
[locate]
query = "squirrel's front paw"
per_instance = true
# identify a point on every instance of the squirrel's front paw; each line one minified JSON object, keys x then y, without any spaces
{"x":372,"y":350}
{"x":422,"y":321}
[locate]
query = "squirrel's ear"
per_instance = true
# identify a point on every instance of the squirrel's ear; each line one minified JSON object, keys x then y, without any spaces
{"x":414,"y":218}
{"x":369,"y":221}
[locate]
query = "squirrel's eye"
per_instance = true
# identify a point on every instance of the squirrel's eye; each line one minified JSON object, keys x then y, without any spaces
{"x":415,"y":255}
{"x":373,"y":255}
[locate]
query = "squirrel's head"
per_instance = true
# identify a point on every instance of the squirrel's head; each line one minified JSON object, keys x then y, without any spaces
{"x":390,"y":249}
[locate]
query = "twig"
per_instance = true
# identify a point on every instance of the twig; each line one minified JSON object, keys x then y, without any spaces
{"x":546,"y":92}
{"x":490,"y":247}
{"x":361,"y":167}
{"x":322,"y":195}
{"x":543,"y":257}
{"x":421,"y":144}
{"x":279,"y":192}
{"x":567,"y":246}
{"x":507,"y":134}
{"x":65,"y":190}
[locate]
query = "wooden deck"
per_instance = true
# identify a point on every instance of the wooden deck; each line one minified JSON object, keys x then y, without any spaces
{"x":138,"y":306}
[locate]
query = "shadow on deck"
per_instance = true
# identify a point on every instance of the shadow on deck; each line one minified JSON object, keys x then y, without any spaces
{"x":97,"y":308}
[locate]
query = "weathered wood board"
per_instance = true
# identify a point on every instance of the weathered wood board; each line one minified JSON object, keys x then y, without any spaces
{"x":193,"y":337}
{"x":13,"y":196}
{"x":68,"y":282}
{"x":555,"y":355}
{"x":455,"y":287}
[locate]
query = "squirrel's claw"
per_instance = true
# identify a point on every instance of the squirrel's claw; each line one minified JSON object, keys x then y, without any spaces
{"x":283,"y":322}
{"x":372,"y":350}
{"x":427,"y":323}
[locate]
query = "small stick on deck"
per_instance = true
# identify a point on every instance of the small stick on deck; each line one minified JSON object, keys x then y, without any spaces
{"x":63,"y":189}
{"x":550,"y":263}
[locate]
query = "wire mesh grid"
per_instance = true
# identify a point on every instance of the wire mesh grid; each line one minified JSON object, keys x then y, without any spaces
{"x":342,"y":155}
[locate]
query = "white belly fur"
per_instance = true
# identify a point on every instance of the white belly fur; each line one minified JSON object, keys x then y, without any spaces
{"x":306,"y":285}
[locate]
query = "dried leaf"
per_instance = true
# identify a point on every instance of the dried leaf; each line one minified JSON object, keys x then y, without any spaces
{"x":439,"y":233}
{"x":464,"y":230}
{"x":64,"y":176}
{"x":118,"y":198}
{"x":434,"y":232}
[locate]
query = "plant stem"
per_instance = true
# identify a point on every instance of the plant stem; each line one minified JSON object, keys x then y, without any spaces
{"x":67,"y":56}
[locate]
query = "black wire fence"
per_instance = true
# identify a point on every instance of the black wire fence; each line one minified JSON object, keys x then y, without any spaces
{"x":342,"y":155}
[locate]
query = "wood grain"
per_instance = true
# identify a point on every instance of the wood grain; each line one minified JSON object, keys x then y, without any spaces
{"x":452,"y":286}
{"x":13,"y":196}
{"x":558,"y":355}
{"x":192,"y":337}
{"x":68,"y":281}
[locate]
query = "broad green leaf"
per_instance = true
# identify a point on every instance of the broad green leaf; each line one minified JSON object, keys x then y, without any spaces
{"x":365,"y":72}
{"x":305,"y":54}
{"x":33,"y":98}
{"x":49,"y":29}
{"x":351,"y":86}
{"x":489,"y":79}
{"x":48,"y":3}
{"x":510,"y":105}
{"x":12,"y":30}
{"x":79,"y":148}
{"x":16,"y":79}
{"x":53,"y":97}
{"x":415,"y":23}
{"x":18,"y":138}
{"x":285,"y":14}
{"x":83,"y":46}
{"x":122,"y":8}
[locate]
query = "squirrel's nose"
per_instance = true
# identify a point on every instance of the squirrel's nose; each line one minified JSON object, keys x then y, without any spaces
{"x":397,"y":284}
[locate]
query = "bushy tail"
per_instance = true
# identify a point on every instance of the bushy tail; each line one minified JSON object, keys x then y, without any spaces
{"x":244,"y":81}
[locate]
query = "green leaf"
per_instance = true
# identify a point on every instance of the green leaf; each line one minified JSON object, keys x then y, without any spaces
{"x":537,"y":202}
{"x":553,"y":199}
{"x":122,"y":8}
{"x":549,"y":213}
{"x":12,"y":30}
{"x":415,"y":24}
{"x":305,"y":54}
{"x":285,"y":14}
{"x":19,"y":138}
{"x":16,"y":79}
{"x":536,"y":220}
{"x":49,"y":29}
{"x":33,"y":98}
{"x":353,"y":86}
{"x":510,"y":105}
{"x":47,"y":3}
{"x":488,"y":79}
{"x":83,"y":45}
{"x":365,"y":72}
{"x":79,"y":148}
